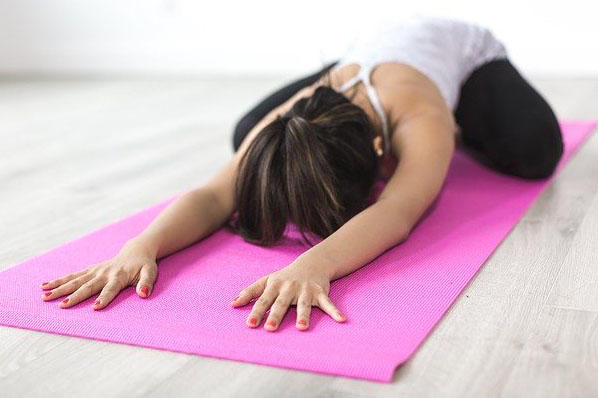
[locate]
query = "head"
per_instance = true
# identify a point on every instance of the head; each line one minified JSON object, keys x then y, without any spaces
{"x":314,"y":166}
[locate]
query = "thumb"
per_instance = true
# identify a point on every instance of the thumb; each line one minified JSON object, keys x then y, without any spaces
{"x":147,"y":278}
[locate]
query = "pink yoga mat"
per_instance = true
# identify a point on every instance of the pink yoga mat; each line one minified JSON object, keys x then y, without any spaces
{"x":391,"y":304}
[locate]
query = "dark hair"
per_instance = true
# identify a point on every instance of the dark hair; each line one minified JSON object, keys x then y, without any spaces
{"x":314,"y":166}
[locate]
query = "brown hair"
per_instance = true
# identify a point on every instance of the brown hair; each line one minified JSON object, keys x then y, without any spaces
{"x":314,"y":166}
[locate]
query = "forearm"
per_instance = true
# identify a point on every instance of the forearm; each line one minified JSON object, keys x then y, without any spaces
{"x":192,"y":216}
{"x":361,"y":239}
{"x":413,"y":187}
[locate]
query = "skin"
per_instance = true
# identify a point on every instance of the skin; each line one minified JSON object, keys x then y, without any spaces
{"x":422,"y":137}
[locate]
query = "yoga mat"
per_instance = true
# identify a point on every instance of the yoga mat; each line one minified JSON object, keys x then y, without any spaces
{"x":391,"y":304}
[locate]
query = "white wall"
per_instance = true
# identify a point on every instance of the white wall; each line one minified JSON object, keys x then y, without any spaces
{"x":263,"y":36}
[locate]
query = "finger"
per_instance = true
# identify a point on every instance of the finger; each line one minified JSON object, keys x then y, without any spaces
{"x":261,"y":306}
{"x":147,"y":278}
{"x":327,"y":306}
{"x":109,"y":291}
{"x":250,"y":292}
{"x":62,"y":280}
{"x":66,"y":288}
{"x":303,"y":310}
{"x":279,"y":308}
{"x":86,"y":290}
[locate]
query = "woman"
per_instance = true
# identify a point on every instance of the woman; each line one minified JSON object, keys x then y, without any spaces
{"x":310,"y":153}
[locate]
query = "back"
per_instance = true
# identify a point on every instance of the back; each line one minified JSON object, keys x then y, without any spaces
{"x":445,"y":50}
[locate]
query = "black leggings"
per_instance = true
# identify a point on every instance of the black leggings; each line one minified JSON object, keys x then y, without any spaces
{"x":505,"y":123}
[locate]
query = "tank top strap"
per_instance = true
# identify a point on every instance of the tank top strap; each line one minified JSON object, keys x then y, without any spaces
{"x":364,"y":75}
{"x":350,"y":83}
{"x":375,"y":100}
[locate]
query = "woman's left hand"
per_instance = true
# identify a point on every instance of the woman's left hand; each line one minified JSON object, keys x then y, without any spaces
{"x":300,"y":283}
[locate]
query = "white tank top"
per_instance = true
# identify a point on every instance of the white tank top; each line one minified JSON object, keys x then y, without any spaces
{"x":445,"y":50}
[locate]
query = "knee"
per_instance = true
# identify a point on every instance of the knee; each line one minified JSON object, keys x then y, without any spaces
{"x":537,"y":155}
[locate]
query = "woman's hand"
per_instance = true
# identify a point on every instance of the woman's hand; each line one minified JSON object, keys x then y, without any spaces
{"x":301,"y":283}
{"x":133,"y":265}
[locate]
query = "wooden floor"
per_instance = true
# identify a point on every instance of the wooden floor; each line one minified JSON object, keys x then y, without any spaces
{"x":77,"y":155}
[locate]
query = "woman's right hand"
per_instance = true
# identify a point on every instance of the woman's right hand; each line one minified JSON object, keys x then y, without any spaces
{"x":135,"y":265}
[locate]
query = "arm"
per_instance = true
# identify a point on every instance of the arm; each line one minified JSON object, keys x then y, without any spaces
{"x":189,"y":218}
{"x":199,"y":212}
{"x":426,"y":144}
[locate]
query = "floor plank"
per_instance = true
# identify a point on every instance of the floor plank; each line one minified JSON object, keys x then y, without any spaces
{"x":80,"y":154}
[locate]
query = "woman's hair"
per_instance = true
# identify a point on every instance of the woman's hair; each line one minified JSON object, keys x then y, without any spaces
{"x":314,"y":166}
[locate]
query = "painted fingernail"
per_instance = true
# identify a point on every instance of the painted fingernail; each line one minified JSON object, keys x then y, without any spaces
{"x":144,"y":290}
{"x":252,"y":321}
{"x":66,"y":300}
{"x":272,"y":323}
{"x":302,"y":322}
{"x":97,"y":302}
{"x":47,"y":294}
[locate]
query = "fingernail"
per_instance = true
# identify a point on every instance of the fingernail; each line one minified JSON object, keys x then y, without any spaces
{"x":253,"y":321}
{"x":271,"y":323}
{"x":302,"y":322}
{"x":47,"y":294}
{"x":97,"y":302}
{"x":144,"y":290}
{"x":45,"y":283}
{"x":66,"y":300}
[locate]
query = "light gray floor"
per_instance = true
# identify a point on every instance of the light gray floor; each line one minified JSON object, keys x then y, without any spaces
{"x":77,"y":155}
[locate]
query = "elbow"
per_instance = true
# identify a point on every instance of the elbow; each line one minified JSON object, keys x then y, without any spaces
{"x":399,"y":235}
{"x":213,"y":206}
{"x":398,"y":225}
{"x":403,"y":235}
{"x":395,"y":239}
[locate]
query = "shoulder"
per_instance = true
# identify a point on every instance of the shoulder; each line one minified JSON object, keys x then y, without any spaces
{"x":413,"y":103}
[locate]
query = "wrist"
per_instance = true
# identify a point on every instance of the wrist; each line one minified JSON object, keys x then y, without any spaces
{"x":318,"y":260}
{"x":148,"y":243}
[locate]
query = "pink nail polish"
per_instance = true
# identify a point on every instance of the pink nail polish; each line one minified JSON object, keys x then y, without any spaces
{"x":252,"y":321}
{"x":302,"y":322}
{"x":272,"y":323}
{"x":144,"y":290}
{"x":47,"y":294}
{"x":97,"y":302}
